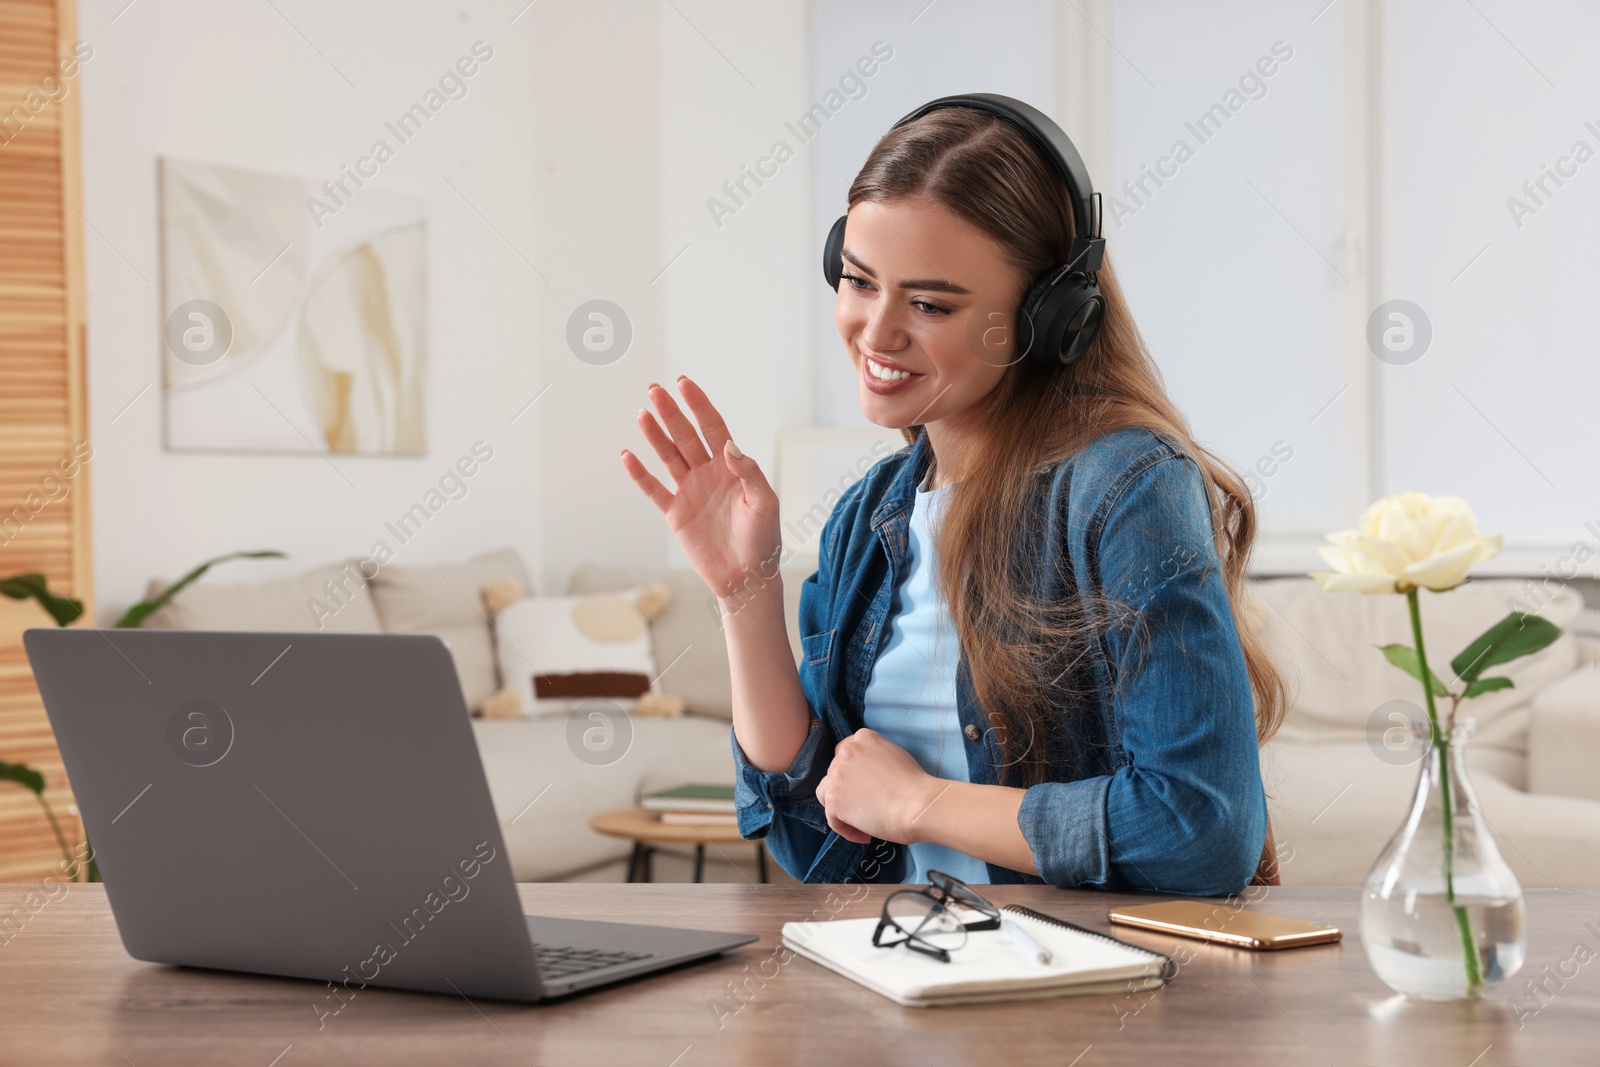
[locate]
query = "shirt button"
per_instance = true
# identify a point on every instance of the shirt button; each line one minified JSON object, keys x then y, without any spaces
{"x":971,"y":732}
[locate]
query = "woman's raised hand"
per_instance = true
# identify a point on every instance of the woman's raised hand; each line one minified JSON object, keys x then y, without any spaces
{"x":724,"y":514}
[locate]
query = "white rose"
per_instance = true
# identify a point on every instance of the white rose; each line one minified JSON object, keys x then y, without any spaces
{"x":1403,"y":541}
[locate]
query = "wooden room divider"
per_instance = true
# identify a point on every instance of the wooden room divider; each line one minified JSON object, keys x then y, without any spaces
{"x":45,"y":454}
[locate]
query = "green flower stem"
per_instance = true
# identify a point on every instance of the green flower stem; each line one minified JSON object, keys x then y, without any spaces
{"x":1469,"y":944}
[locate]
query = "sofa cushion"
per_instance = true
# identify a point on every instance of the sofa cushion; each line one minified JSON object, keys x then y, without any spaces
{"x":1335,"y":805}
{"x":691,"y":653}
{"x":1326,"y":643}
{"x":445,"y":600}
{"x":332,"y":598}
{"x":1564,"y":737}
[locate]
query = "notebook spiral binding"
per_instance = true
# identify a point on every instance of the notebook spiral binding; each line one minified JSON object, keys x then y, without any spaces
{"x":1169,"y":969}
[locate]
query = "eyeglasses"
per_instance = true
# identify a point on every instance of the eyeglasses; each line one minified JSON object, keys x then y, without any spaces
{"x":926,"y":920}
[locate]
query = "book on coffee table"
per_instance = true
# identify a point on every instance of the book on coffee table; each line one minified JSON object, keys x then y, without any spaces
{"x":694,"y":797}
{"x":699,"y":818}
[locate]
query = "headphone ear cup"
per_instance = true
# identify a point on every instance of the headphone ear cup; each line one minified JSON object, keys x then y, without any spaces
{"x":1084,"y":324}
{"x":832,"y":260}
{"x":1066,"y":313}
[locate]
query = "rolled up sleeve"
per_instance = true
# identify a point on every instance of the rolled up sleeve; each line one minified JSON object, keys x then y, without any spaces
{"x":760,"y":796}
{"x":1065,"y":825}
{"x":1186,"y":811}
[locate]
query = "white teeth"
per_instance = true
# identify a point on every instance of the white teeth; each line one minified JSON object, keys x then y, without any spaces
{"x":883,"y":373}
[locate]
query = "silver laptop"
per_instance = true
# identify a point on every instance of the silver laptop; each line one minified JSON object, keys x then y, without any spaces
{"x":313,"y":806}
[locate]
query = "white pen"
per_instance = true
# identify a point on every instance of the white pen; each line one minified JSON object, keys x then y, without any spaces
{"x":1024,"y":940}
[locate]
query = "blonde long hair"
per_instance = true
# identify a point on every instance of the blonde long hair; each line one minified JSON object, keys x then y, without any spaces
{"x":988,"y":172}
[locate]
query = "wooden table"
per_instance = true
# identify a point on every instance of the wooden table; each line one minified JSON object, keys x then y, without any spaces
{"x":645,"y":829}
{"x":72,"y":996}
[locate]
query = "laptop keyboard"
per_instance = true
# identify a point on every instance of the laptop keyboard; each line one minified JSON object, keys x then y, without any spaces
{"x":563,"y":961}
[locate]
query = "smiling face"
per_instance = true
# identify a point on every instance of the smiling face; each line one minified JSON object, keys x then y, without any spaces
{"x":924,"y":293}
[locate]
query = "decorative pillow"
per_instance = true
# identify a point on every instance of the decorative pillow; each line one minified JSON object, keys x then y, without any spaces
{"x":444,"y":600}
{"x":556,"y":652}
{"x":691,"y":650}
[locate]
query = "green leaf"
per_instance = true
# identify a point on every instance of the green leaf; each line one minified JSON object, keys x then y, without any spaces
{"x":23,"y":775}
{"x":145,"y":608}
{"x":1405,"y":657}
{"x":1518,"y":634}
{"x":33,"y":781}
{"x":64,"y":610}
{"x":1488,"y":685}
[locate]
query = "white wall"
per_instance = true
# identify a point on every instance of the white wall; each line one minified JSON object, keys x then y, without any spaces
{"x":237,"y":84}
{"x":736,"y":298}
{"x":577,"y":167}
{"x":1501,"y":407}
{"x":1248,"y":295}
{"x":1235,"y":264}
{"x":594,"y":206}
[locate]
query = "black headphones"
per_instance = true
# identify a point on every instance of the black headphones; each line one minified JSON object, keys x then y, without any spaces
{"x":1063,"y":309}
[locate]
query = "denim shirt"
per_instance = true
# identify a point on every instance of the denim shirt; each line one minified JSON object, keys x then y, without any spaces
{"x":1157,"y":787}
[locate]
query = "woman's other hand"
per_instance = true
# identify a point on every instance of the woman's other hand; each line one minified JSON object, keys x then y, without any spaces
{"x":724,"y":514}
{"x":875,"y":788}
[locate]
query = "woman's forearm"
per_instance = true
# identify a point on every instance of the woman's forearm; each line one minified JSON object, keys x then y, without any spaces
{"x":980,"y":820}
{"x":770,"y":714}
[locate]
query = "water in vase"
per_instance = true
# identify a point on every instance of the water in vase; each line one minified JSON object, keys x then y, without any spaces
{"x":1443,"y":851}
{"x":1413,"y":942}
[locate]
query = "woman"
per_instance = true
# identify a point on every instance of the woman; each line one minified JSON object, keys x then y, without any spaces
{"x":1024,"y":654}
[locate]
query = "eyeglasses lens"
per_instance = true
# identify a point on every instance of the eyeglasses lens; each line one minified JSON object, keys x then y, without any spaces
{"x":920,"y":917}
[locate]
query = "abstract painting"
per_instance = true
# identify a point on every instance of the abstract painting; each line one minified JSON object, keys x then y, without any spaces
{"x":288,"y":329}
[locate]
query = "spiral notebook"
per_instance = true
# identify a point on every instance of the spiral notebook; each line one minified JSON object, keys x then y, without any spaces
{"x":989,"y":967}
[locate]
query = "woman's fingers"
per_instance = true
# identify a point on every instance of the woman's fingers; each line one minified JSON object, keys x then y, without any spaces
{"x":748,"y":471}
{"x":683,"y":434}
{"x":711,"y":422}
{"x":658,"y":494}
{"x":664,"y":446}
{"x":823,"y":792}
{"x":848,"y":832}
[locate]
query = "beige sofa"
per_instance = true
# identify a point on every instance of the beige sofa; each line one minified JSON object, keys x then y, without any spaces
{"x":1337,"y":774}
{"x":1336,"y":792}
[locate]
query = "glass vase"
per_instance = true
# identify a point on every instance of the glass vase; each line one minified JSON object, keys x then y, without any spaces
{"x":1441,"y":913}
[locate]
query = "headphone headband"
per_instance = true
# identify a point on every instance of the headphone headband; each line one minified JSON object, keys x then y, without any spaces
{"x":1089,"y":248}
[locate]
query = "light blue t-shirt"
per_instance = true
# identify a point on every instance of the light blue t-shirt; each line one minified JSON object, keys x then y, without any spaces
{"x":911,"y":697}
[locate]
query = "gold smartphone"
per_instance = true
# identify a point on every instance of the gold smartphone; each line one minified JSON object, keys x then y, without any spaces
{"x":1229,"y":926}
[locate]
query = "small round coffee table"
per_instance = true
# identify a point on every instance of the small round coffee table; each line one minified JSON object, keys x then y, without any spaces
{"x":646,"y":831}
